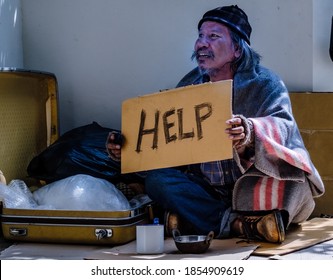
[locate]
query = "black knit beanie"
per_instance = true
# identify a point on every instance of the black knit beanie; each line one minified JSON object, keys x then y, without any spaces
{"x":233,"y":17}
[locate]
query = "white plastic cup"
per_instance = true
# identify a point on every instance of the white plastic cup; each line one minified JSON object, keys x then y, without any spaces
{"x":150,"y":239}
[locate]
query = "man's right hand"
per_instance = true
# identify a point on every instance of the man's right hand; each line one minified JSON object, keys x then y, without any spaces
{"x":113,"y":145}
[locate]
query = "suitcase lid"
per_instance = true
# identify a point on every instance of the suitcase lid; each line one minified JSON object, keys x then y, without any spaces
{"x":28,"y":118}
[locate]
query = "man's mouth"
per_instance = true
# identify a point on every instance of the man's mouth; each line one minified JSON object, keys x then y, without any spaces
{"x":200,"y":54}
{"x":204,"y":55}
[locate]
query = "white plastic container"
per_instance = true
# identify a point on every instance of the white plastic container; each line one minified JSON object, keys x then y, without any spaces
{"x":150,"y":239}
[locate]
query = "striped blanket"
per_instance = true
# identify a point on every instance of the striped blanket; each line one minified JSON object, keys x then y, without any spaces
{"x":278,"y":172}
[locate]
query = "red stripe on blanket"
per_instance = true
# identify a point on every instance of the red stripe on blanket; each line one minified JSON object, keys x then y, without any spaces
{"x":267,"y":200}
{"x":256,"y":195}
{"x":268,"y":194}
{"x":281,"y":188}
{"x":267,"y":131}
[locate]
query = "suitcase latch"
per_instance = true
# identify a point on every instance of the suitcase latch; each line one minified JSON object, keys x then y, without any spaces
{"x":18,"y":231}
{"x":103,"y":233}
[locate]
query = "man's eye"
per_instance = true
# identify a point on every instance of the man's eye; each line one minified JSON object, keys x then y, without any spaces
{"x":214,"y":36}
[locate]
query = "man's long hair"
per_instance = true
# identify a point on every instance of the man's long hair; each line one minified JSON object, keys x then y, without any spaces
{"x":248,"y":59}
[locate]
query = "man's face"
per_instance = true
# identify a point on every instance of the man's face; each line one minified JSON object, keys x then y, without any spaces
{"x":214,"y":50}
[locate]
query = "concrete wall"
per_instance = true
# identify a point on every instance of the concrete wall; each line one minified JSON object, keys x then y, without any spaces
{"x":322,"y":65}
{"x":105,"y":51}
{"x":11,"y":51}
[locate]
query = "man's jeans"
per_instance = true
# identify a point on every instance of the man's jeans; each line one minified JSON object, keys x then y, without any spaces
{"x":192,"y":198}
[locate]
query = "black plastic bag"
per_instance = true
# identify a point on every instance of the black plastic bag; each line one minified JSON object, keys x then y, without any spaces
{"x":79,"y":151}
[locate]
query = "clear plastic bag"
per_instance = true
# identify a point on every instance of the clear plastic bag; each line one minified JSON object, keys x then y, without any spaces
{"x":81,"y":192}
{"x":17,"y":195}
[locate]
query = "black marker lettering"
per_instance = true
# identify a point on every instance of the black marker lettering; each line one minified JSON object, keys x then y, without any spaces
{"x":167,"y":126}
{"x":199,"y":119}
{"x":183,"y":135}
{"x":143,"y":131}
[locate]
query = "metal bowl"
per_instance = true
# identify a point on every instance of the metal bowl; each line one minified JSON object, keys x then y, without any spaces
{"x":192,"y":244}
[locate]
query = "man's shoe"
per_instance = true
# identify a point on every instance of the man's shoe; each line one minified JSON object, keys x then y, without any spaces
{"x":268,"y":228}
{"x":174,"y":221}
{"x":171,"y":222}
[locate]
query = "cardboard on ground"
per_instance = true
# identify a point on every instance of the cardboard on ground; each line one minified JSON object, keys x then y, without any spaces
{"x":176,"y":127}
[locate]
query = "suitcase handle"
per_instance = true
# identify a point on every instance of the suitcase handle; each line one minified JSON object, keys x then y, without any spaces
{"x":18,"y":231}
{"x":103,"y":233}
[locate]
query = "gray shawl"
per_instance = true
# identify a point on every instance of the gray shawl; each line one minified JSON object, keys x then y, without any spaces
{"x":279,"y":163}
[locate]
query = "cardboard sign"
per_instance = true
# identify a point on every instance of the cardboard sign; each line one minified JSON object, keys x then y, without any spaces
{"x":176,"y":127}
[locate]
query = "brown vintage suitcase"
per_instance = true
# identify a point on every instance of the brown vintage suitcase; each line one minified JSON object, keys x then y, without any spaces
{"x":29,"y":123}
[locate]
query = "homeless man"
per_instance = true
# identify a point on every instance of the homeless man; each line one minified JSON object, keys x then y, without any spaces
{"x":270,"y":183}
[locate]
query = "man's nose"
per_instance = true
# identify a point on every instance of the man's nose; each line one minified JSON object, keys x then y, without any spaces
{"x":202,"y":42}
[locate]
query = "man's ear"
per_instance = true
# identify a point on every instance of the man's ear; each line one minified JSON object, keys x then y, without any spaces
{"x":237,"y":51}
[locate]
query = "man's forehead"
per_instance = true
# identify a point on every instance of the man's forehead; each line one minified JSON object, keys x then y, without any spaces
{"x":213,"y":26}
